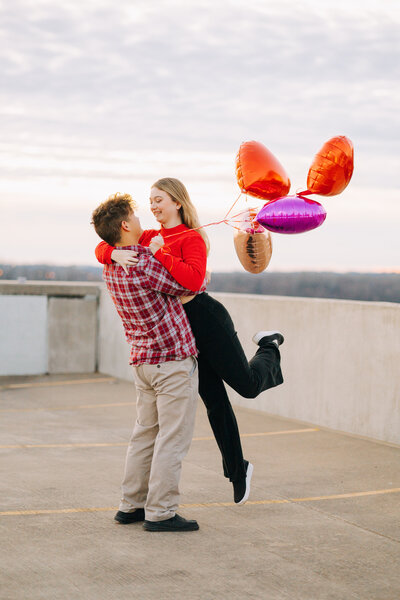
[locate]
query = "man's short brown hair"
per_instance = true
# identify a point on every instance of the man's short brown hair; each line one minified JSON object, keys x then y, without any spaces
{"x":107,"y":217}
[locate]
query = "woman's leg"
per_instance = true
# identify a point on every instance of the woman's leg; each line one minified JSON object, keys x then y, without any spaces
{"x":218,"y":342}
{"x":222,"y":420}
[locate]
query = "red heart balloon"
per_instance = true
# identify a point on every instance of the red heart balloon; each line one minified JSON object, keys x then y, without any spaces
{"x":332,"y":167}
{"x":259,"y":173}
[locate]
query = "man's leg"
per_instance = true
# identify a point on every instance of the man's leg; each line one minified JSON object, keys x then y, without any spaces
{"x":176,"y":386}
{"x":140,"y":450}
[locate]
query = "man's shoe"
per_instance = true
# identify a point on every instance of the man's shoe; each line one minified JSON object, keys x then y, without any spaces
{"x":175,"y":523}
{"x":241,"y":488}
{"x":269,"y":336}
{"x":131,"y":517}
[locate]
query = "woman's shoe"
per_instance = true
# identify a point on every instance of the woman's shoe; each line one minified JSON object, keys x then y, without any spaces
{"x":269,"y":336}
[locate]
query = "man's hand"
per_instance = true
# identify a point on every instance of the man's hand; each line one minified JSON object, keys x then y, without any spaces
{"x":156,"y":243}
{"x":125,"y":258}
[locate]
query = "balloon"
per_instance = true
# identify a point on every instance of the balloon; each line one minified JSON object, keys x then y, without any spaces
{"x":291,"y":214}
{"x":253,"y":244}
{"x":259,"y":173}
{"x":332,"y":167}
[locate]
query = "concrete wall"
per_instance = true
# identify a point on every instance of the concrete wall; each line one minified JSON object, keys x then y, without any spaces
{"x":48,"y":328}
{"x":23,"y":335}
{"x":72,"y":335}
{"x":340,"y":359}
{"x":114,"y":350}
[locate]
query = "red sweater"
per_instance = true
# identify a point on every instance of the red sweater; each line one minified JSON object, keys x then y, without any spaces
{"x":184,"y":255}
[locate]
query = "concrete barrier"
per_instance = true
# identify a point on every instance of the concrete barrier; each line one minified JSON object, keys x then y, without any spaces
{"x":340,"y":359}
{"x":114,"y":350}
{"x":48,"y":327}
{"x":23,"y":335}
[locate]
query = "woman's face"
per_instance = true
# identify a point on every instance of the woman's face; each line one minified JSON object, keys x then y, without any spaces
{"x":165,"y":210}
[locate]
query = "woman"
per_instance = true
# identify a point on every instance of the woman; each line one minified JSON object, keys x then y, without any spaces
{"x":183,"y":252}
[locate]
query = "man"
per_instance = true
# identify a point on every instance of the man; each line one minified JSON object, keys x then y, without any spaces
{"x":163,"y":355}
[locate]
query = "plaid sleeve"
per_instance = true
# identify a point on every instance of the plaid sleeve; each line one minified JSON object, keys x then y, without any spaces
{"x":156,"y":277}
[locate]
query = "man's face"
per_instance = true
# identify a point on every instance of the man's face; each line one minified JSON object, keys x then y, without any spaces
{"x":134,"y":224}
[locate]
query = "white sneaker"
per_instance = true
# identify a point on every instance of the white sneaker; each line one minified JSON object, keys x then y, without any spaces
{"x":269,"y":336}
{"x":241,"y":488}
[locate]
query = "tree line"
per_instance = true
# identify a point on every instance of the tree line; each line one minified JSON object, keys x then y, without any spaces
{"x":378,"y":287}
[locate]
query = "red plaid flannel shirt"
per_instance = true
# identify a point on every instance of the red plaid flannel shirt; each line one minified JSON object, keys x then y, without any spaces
{"x":155,"y":322}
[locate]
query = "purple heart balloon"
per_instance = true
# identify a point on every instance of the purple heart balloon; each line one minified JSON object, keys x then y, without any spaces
{"x":291,"y":214}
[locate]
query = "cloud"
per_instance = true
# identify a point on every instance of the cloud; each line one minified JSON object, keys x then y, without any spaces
{"x":100,"y":96}
{"x":172,"y":74}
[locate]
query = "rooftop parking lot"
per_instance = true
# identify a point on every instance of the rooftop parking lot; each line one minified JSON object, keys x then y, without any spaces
{"x":322,"y":521}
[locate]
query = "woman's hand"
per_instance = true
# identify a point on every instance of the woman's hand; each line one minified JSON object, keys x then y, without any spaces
{"x":156,"y":243}
{"x":125,"y":258}
{"x":208,"y":277}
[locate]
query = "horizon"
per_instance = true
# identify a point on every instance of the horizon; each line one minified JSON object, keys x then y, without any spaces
{"x":237,"y":269}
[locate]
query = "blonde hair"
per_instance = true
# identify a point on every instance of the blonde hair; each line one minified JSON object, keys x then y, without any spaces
{"x":187,"y":211}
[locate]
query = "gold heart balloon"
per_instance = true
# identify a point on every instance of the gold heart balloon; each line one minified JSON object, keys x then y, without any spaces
{"x":253,"y":244}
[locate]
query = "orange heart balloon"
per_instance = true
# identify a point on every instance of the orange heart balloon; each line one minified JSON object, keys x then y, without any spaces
{"x":332,"y":167}
{"x":259,"y":173}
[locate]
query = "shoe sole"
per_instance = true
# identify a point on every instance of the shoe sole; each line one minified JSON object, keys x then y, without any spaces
{"x":160,"y":528}
{"x":275,"y":336}
{"x":123,"y":522}
{"x":249,"y":475}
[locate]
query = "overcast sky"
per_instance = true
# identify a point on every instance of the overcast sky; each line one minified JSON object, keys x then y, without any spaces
{"x":99,"y":96}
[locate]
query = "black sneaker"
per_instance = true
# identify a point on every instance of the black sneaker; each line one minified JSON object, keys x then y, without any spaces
{"x":241,"y":488}
{"x":175,"y":523}
{"x":131,"y":517}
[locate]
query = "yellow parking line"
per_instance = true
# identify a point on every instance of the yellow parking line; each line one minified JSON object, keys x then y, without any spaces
{"x":111,"y":444}
{"x":216,"y":504}
{"x":15,"y":386}
{"x":83,"y":445}
{"x":78,"y":407}
{"x":55,"y":511}
{"x":243,"y":435}
{"x":286,"y":431}
{"x":292,"y":500}
{"x":351,"y":495}
{"x":58,"y":511}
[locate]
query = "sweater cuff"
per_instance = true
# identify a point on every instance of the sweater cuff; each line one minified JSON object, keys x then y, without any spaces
{"x":164,"y":258}
{"x":107,"y":255}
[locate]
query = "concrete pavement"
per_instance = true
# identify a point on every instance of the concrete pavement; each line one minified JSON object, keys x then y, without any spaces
{"x":322,"y":521}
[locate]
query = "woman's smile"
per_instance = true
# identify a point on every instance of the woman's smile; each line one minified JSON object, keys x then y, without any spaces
{"x":164,"y":209}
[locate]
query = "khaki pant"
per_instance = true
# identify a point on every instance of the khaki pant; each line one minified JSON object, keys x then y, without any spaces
{"x":166,"y":410}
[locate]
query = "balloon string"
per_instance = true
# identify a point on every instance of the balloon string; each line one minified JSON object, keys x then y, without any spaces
{"x":187,"y":231}
{"x":233,"y":219}
{"x":232,"y":205}
{"x":305,"y":193}
{"x":249,"y":210}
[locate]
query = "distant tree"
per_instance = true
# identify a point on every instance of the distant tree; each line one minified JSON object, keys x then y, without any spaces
{"x":383,"y":287}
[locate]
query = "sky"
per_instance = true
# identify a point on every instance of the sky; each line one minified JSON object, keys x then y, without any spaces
{"x":98,"y":97}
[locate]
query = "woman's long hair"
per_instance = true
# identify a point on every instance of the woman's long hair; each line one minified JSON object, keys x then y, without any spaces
{"x":187,"y":211}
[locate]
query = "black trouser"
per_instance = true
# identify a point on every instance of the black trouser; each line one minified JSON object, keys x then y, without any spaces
{"x":221,"y":358}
